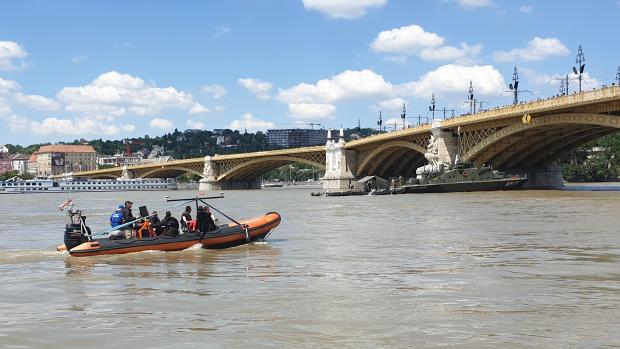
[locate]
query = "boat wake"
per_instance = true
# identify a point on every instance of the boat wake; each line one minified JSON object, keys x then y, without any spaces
{"x":18,"y":256}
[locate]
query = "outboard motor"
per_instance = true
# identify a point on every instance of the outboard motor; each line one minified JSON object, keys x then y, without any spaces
{"x":76,"y":233}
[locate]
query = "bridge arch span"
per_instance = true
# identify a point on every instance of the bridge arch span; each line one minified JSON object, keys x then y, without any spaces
{"x":542,"y":140}
{"x":254,"y":168}
{"x":388,"y":156}
{"x":104,"y":176}
{"x":178,"y":170}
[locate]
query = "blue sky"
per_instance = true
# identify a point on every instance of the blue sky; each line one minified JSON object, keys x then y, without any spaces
{"x":115,"y":69}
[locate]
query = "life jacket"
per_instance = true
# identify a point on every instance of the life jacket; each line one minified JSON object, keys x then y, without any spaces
{"x":116,"y":218}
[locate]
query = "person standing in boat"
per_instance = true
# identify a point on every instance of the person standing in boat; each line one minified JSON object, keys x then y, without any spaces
{"x":128,"y":217}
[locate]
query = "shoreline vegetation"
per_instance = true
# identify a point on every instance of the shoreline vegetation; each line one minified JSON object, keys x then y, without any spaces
{"x":596,"y":161}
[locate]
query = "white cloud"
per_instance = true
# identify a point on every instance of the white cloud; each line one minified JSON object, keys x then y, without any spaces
{"x":526,"y":8}
{"x":412,"y":39}
{"x":453,"y":80}
{"x":536,"y":50}
{"x":5,"y":108}
{"x":36,"y":102}
{"x":79,"y":59}
{"x":10,"y":55}
{"x":250,"y":123}
{"x":464,"y":54}
{"x":346,"y":85}
{"x":198,"y":109}
{"x":551,"y":82}
{"x":260,"y":89}
{"x":162,"y":124}
{"x":345,"y":9}
{"x":311,"y":111}
{"x":475,"y":3}
{"x":405,"y":40}
{"x":8,"y":86}
{"x":395,"y":123}
{"x":55,"y":126}
{"x":214,"y":91}
{"x":221,"y":30}
{"x":195,"y":124}
{"x":115,"y":94}
{"x":397,"y":59}
{"x":391,"y":104}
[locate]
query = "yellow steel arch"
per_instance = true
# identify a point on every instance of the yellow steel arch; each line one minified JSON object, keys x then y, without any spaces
{"x":245,"y":166}
{"x":542,"y":121}
{"x":383,"y":147}
{"x":169,"y":168}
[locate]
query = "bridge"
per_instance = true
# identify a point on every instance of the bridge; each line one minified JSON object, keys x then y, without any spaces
{"x":526,"y":137}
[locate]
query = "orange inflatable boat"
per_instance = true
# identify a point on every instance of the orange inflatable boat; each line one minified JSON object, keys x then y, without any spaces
{"x":79,"y":242}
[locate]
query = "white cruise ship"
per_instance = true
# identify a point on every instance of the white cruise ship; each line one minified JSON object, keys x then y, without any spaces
{"x":17,"y":186}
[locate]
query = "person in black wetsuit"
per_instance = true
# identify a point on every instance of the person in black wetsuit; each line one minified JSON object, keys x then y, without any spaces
{"x":155,"y":223}
{"x":204,"y":219}
{"x":169,"y":226}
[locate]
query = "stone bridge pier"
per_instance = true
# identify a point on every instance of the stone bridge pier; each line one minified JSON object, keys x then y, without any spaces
{"x":339,"y":163}
{"x":209,"y":181}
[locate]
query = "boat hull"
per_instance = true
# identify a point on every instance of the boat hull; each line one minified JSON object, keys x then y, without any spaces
{"x":471,"y":186}
{"x":223,"y":237}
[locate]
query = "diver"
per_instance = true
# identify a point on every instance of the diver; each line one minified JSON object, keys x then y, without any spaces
{"x":204,"y":220}
{"x":169,"y":226}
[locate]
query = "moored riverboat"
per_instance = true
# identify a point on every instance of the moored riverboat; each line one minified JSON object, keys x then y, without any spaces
{"x":462,"y":177}
{"x":37,"y":186}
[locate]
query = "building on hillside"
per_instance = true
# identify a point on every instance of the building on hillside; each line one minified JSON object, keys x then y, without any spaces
{"x":293,"y":138}
{"x":62,"y":158}
{"x":158,"y":159}
{"x":20,"y":163}
{"x":5,"y":160}
{"x":119,"y":160}
{"x":33,"y":165}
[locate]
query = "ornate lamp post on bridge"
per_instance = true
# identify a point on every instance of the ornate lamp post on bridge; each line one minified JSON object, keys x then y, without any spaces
{"x":580,"y":59}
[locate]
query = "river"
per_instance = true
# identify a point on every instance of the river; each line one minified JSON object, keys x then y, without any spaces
{"x":521,"y":269}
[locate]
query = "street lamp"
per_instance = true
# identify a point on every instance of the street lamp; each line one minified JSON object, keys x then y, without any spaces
{"x":580,"y":59}
{"x":470,"y":99}
{"x":431,"y":108}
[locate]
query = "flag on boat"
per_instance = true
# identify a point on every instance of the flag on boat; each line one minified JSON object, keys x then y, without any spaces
{"x":65,"y":204}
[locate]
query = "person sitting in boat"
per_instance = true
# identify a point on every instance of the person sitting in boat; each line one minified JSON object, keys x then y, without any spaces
{"x":169,"y":225}
{"x":127,"y":217}
{"x":187,"y":224}
{"x":156,"y":223}
{"x":116,"y":218}
{"x":204,"y":220}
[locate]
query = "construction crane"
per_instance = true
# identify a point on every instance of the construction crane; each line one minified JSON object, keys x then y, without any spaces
{"x":311,"y":124}
{"x":128,"y":142}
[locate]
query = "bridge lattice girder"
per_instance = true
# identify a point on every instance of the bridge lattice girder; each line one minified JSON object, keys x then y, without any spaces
{"x":524,"y":145}
{"x":386,"y":159}
{"x":253,"y":168}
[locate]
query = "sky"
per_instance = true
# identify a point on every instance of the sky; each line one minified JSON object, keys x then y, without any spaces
{"x":116,"y":69}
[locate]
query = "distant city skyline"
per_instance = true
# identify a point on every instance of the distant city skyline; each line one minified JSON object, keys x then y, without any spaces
{"x":111,"y":70}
